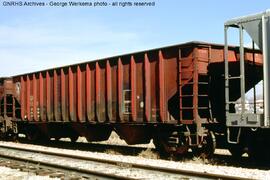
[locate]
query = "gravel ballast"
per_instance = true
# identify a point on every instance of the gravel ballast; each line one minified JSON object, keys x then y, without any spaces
{"x":14,"y":174}
{"x":196,"y":164}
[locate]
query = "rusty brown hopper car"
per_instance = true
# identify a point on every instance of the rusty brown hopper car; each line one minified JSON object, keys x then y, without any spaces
{"x":171,"y":94}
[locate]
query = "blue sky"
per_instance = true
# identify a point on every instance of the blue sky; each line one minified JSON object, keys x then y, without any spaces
{"x":35,"y":38}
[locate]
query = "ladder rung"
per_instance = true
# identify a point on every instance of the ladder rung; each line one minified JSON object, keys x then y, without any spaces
{"x":201,"y":59}
{"x":203,"y":107}
{"x":187,"y":95}
{"x":203,"y":95}
{"x":234,"y":77}
{"x":205,"y":74}
{"x":203,"y":83}
{"x":231,"y":102}
{"x":186,"y":108}
{"x":185,"y":78}
{"x":191,"y":95}
{"x":199,"y":83}
{"x":186,"y":66}
{"x":186,"y":71}
{"x":190,"y":83}
{"x":185,"y":59}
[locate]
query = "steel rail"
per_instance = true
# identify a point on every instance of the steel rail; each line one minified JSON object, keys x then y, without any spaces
{"x":127,"y":164}
{"x":65,"y":168}
{"x":89,"y":146}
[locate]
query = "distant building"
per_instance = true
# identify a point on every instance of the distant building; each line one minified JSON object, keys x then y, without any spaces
{"x":249,"y":106}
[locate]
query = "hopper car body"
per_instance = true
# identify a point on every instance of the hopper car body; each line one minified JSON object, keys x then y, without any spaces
{"x":173,"y":95}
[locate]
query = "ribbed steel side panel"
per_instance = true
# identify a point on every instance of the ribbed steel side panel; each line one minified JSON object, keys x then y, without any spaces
{"x":138,"y":87}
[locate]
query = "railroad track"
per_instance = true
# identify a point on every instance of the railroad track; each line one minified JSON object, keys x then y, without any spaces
{"x":88,"y":167}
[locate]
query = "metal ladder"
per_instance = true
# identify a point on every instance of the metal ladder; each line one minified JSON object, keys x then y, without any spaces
{"x":193,"y":90}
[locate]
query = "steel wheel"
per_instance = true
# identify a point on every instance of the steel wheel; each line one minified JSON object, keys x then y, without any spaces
{"x":207,"y":148}
{"x":165,"y":148}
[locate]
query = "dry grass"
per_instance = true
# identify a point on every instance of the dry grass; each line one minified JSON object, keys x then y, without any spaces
{"x":148,"y":153}
{"x":111,"y":151}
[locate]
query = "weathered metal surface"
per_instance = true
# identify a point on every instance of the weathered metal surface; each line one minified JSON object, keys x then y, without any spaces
{"x":165,"y":85}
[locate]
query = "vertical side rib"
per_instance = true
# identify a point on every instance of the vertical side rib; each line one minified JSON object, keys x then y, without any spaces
{"x":41,"y":97}
{"x":162,"y":93}
{"x":147,"y":72}
{"x":120,"y":89}
{"x":55,"y":95}
{"x":109,"y":89}
{"x":35,"y":97}
{"x":79,"y":90}
{"x":63,"y":96}
{"x":90,"y":114}
{"x":133,"y":89}
{"x":23,"y":113}
{"x":72,"y":112}
{"x":98,"y":93}
{"x":81,"y":96}
{"x":48,"y":92}
{"x":28,"y":98}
